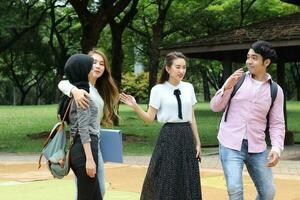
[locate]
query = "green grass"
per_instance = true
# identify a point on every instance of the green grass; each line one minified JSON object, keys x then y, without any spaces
{"x":130,"y":124}
{"x":52,"y":189}
{"x":16,"y":122}
{"x":293,"y":117}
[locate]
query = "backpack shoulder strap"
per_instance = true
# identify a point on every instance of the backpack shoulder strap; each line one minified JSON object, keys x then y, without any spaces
{"x":273,"y":91}
{"x":235,"y":89}
{"x":238,"y":85}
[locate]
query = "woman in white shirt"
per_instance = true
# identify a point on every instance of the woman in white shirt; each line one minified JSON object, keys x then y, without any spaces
{"x":173,"y":172}
{"x":104,"y":93}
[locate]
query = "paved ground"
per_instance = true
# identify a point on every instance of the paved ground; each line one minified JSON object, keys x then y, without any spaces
{"x":289,"y":163}
{"x":125,"y":180}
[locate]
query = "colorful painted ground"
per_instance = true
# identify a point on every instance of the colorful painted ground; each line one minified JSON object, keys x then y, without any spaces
{"x":22,"y":181}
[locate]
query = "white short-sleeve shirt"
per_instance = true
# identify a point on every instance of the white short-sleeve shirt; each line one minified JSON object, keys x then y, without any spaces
{"x":163,"y":99}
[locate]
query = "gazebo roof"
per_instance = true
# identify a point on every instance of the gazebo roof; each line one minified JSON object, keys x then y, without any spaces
{"x":296,"y":2}
{"x":282,"y":32}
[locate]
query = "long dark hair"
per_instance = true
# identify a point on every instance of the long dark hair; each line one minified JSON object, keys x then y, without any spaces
{"x":108,"y":90}
{"x":169,"y":59}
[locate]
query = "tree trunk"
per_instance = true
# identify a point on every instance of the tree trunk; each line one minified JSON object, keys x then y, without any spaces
{"x":117,"y":30}
{"x":154,"y":63}
{"x":23,"y":96}
{"x":90,"y":36}
{"x":205,"y":84}
{"x":14,"y":96}
{"x":227,"y":69}
{"x":92,"y":23}
{"x":154,"y":56}
{"x":117,"y":55}
{"x":295,"y":70}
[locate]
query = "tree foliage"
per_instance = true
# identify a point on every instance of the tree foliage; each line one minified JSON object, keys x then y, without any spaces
{"x":17,"y":18}
{"x":37,"y":37}
{"x":136,"y":86}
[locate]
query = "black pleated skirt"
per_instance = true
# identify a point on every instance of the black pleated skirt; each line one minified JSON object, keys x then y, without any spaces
{"x":173,"y":172}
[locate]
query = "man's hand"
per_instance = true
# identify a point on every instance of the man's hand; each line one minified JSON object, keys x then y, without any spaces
{"x":233,"y":79}
{"x":80,"y":97}
{"x":273,"y":159}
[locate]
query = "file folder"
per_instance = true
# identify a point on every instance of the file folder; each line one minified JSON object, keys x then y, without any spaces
{"x":111,"y":145}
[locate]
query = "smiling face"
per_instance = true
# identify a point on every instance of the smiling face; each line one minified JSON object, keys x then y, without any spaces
{"x":98,"y":65}
{"x":257,"y":66}
{"x":177,"y":70}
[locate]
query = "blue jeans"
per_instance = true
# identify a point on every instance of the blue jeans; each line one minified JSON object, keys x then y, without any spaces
{"x":233,"y":162}
{"x":100,"y":171}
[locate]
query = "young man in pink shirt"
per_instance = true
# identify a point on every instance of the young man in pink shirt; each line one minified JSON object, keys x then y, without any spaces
{"x":242,"y":134}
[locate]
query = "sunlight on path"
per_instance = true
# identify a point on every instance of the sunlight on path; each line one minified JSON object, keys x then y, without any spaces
{"x":51,"y":189}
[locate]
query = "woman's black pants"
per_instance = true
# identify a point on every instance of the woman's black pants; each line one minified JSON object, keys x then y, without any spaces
{"x":87,"y":187}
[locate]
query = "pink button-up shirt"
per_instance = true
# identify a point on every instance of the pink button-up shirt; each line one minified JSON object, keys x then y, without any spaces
{"x":247,"y":114}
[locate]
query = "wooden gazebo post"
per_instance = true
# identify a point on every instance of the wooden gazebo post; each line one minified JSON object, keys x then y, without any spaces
{"x":289,"y":137}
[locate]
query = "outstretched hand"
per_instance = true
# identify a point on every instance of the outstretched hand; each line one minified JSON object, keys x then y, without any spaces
{"x":127,"y":99}
{"x":233,"y":78}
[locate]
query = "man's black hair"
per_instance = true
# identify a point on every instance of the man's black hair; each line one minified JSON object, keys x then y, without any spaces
{"x":265,"y":49}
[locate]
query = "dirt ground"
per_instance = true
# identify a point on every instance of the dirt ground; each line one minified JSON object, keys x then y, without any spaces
{"x":129,"y":178}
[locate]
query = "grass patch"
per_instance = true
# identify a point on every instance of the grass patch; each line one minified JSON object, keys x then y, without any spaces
{"x":19,"y":124}
{"x":52,"y":189}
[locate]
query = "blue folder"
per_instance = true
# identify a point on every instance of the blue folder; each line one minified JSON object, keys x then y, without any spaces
{"x":111,"y":145}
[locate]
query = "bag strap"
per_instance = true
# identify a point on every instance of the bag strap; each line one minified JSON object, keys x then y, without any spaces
{"x":235,"y":89}
{"x":273,"y":91}
{"x":67,"y":111}
{"x":55,"y":130}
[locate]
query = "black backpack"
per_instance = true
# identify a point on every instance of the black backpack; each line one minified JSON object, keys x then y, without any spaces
{"x":273,"y":89}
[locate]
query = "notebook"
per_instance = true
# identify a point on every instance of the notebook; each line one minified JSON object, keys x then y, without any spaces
{"x":111,"y":145}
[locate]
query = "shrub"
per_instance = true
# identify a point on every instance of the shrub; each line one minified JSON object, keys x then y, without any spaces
{"x":136,"y":86}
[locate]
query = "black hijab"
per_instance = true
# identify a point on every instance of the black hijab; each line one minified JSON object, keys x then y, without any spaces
{"x":77,"y":68}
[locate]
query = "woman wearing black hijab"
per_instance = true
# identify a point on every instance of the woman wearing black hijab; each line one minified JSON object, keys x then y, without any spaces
{"x":83,"y":129}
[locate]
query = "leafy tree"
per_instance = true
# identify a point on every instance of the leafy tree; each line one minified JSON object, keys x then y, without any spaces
{"x":6,"y":91}
{"x":160,"y":24}
{"x":244,"y":8}
{"x":94,"y":16}
{"x":151,"y":25}
{"x":17,"y":18}
{"x":62,"y":32}
{"x":26,"y":64}
{"x":117,"y":26}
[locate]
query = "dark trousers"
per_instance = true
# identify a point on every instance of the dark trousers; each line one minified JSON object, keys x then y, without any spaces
{"x":87,"y":187}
